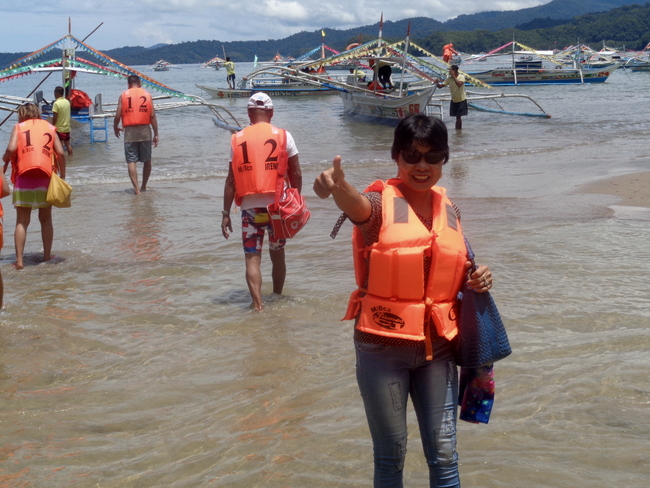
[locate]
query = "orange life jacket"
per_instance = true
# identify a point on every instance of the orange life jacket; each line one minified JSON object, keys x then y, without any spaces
{"x":398,"y":299}
{"x":258,"y":150}
{"x":35,"y":147}
{"x":79,"y":99}
{"x":137,"y":107}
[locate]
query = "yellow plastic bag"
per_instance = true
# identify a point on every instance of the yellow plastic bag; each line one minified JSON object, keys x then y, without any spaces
{"x":58,"y":192}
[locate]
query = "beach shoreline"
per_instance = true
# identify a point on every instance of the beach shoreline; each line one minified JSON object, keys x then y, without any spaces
{"x":633,"y":189}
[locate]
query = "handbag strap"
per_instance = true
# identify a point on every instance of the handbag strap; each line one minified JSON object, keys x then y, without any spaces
{"x":470,"y":256}
{"x":282,"y":171}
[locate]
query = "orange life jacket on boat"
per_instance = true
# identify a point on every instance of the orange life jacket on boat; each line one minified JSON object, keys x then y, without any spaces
{"x":398,"y":299}
{"x":137,"y":107}
{"x":448,"y":52}
{"x":35,"y":147}
{"x":79,"y":99}
{"x":257,"y":152}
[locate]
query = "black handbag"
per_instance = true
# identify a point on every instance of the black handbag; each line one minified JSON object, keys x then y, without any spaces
{"x":482,"y":338}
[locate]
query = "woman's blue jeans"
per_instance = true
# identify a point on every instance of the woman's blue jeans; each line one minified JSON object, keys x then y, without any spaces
{"x":386,"y":376}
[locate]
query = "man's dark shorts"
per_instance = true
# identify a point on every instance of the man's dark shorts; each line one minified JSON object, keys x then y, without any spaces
{"x":137,"y":151}
{"x":458,"y":109}
{"x":63,"y":136}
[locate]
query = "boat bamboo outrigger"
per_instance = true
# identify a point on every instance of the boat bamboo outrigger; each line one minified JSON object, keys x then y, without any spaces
{"x":414,"y":89}
{"x":93,"y":114}
{"x":283,"y":77}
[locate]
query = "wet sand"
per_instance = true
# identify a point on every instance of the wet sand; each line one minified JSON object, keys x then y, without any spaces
{"x":633,"y":189}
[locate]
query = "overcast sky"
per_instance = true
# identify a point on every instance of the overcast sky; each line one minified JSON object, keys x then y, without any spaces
{"x":28,"y":25}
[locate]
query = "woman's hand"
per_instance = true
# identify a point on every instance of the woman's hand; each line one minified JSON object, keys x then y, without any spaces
{"x":481,"y":279}
{"x":332,"y":182}
{"x":330,"y":179}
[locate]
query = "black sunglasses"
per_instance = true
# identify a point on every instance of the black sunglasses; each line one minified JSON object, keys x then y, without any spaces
{"x":413,"y":156}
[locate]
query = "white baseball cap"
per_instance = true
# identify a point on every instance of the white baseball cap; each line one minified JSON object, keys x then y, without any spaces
{"x":260,"y":100}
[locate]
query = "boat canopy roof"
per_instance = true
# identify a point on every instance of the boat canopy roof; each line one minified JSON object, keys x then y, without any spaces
{"x":70,"y":61}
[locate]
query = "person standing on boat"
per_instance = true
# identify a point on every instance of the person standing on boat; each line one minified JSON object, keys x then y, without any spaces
{"x":230,"y":73}
{"x":448,"y":52}
{"x":252,"y":177}
{"x":136,"y":111}
{"x":61,"y":118}
{"x":456,"y":83}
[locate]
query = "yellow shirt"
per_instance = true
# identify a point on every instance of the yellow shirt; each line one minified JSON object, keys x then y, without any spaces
{"x":61,"y":107}
{"x":457,"y":92}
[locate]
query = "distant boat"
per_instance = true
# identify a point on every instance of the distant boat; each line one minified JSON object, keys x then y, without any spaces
{"x":279,"y":81}
{"x":214,"y":63}
{"x":544,"y":68}
{"x":532,"y":74}
{"x":162,"y":65}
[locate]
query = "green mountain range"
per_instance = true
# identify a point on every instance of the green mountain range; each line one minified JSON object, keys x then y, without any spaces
{"x":555,"y":24}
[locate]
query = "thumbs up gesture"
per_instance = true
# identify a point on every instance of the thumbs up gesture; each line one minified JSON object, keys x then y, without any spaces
{"x":330,"y":179}
{"x":332,"y":182}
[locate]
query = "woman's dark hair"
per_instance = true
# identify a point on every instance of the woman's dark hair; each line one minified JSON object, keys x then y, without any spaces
{"x":420,"y":129}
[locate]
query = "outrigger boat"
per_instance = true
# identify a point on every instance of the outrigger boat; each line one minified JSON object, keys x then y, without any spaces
{"x":278,"y":81}
{"x":163,"y":65}
{"x":413,"y":91}
{"x":543,"y":69}
{"x":640,"y":61}
{"x":284,"y":78}
{"x":214,"y":63}
{"x":93,"y":114}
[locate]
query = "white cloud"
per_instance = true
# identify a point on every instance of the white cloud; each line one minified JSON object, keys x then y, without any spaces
{"x":31,"y":24}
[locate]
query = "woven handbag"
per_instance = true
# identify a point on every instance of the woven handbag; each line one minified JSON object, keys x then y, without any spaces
{"x":482,"y":337}
{"x":58,"y":191}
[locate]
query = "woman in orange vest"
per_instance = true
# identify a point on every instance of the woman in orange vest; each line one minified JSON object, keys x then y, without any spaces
{"x":33,"y":150}
{"x":410,"y":262}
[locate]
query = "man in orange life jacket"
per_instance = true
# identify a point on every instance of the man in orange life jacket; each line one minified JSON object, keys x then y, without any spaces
{"x":136,"y":111}
{"x":256,"y":153}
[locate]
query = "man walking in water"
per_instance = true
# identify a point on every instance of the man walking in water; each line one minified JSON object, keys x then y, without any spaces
{"x":61,"y":118}
{"x":256,"y":153}
{"x":456,"y":83}
{"x":136,"y":111}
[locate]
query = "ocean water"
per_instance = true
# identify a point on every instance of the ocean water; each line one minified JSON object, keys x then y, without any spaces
{"x":133,"y":360}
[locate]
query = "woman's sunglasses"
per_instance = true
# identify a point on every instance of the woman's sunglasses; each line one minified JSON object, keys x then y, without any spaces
{"x":413,"y":156}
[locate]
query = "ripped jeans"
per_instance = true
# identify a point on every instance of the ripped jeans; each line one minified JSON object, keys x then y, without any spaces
{"x":386,"y":376}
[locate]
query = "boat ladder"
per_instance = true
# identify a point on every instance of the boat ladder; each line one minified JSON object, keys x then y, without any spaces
{"x":434,"y":109}
{"x":97,"y":124}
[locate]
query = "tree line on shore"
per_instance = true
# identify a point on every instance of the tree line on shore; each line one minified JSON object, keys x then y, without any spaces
{"x":623,"y":27}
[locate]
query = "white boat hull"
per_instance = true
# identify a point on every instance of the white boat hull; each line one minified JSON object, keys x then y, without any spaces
{"x":564,"y":76}
{"x":380,"y":108}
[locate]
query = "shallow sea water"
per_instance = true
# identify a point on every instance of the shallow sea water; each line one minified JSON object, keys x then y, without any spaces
{"x":133,"y":360}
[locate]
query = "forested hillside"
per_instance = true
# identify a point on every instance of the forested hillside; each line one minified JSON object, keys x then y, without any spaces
{"x":554,"y":25}
{"x":555,"y":10}
{"x":627,"y":27}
